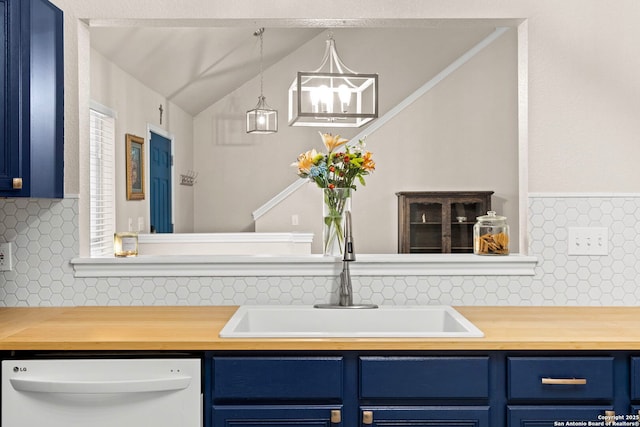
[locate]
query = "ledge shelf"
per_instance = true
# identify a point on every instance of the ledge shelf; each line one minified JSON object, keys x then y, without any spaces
{"x":305,"y":265}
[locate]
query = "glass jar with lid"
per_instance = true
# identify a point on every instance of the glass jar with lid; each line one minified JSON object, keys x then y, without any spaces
{"x":491,"y":235}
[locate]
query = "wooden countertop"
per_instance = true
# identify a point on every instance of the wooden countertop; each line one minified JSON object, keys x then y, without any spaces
{"x":197,"y":328}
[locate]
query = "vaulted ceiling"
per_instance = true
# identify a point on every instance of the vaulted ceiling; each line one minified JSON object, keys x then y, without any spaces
{"x":194,"y":67}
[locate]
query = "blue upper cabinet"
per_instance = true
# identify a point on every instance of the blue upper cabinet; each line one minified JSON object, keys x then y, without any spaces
{"x":10,"y":90}
{"x":32,"y":144}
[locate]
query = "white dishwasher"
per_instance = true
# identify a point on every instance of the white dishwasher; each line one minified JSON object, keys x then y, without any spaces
{"x":101,"y":392}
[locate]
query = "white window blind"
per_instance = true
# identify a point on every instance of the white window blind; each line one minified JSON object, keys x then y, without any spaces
{"x":101,"y":183}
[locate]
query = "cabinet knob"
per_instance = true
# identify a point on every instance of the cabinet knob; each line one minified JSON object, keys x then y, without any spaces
{"x":336,"y":416}
{"x":367,"y":417}
{"x":609,"y":418}
{"x":17,"y":183}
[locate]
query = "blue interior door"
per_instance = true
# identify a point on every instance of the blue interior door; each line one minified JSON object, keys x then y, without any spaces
{"x":160,"y":179}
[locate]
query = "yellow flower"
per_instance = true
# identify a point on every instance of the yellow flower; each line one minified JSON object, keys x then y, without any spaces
{"x":368,"y":164}
{"x":306,"y":160}
{"x":332,"y":142}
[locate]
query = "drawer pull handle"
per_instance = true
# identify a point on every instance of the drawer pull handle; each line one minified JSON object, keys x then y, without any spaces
{"x":367,"y":417}
{"x":565,"y":381}
{"x":336,"y":416}
{"x":17,"y":183}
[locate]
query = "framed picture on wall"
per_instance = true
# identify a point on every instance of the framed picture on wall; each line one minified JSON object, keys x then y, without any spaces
{"x":135,"y":167}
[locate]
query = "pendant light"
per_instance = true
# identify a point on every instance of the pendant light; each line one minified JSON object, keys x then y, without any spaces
{"x":333,"y":95}
{"x":262,"y":119}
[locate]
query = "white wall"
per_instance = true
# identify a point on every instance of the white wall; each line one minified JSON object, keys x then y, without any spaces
{"x":137,"y":106}
{"x":44,"y":237}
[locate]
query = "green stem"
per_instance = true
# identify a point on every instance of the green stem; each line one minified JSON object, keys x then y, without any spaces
{"x":335,"y":201}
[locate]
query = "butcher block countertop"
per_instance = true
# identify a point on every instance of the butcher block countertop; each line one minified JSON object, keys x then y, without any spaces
{"x":197,"y":328}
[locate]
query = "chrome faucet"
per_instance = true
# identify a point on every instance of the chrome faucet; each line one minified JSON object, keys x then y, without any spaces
{"x":346,"y":288}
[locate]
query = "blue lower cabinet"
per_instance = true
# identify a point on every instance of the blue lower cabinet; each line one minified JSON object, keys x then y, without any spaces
{"x":425,"y":416}
{"x":277,"y":416}
{"x":422,"y":389}
{"x":555,"y":415}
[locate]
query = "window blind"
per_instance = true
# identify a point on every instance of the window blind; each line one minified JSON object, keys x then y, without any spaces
{"x":102,"y":177}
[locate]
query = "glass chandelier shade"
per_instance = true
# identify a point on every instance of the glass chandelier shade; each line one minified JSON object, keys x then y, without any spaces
{"x":333,"y":95}
{"x":262,"y":119}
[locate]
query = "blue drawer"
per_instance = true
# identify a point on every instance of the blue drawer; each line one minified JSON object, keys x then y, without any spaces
{"x":277,"y":378}
{"x":428,"y":416}
{"x":275,"y":416}
{"x":560,"y":378}
{"x":555,"y":415}
{"x":424,"y":377}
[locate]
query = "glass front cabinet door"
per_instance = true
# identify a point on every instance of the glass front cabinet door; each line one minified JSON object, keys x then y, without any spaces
{"x":439,"y":222}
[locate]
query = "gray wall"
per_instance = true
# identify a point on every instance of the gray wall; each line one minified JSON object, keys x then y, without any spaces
{"x":462,"y":135}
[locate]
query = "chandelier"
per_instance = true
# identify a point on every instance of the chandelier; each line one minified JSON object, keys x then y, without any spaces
{"x":333,"y":95}
{"x":262,"y":119}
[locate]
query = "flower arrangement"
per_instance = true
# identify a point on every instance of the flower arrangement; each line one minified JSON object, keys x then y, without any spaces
{"x":336,"y":169}
{"x":335,"y":172}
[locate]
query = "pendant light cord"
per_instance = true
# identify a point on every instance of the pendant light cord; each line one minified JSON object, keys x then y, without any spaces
{"x":259,"y":33}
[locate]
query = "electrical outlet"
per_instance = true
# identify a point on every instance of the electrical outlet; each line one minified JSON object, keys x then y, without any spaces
{"x":295,"y":220}
{"x":588,"y":241}
{"x":130,"y":228}
{"x":5,"y":257}
{"x":140,"y":224}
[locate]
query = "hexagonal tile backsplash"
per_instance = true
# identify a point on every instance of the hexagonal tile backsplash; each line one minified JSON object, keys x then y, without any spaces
{"x":44,"y":236}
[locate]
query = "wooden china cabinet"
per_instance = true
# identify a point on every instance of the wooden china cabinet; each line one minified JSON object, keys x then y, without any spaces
{"x":439,"y":221}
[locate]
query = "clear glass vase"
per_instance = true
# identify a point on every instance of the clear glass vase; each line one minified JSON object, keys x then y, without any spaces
{"x":337,"y":201}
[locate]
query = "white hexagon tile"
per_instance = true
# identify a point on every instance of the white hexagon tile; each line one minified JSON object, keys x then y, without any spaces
{"x":44,"y":237}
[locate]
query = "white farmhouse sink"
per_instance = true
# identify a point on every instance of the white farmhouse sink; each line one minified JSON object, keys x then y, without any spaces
{"x":291,"y":321}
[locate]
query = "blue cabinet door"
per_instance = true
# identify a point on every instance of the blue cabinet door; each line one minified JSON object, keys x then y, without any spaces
{"x":425,"y":416}
{"x":32,"y":145}
{"x":554,"y":415}
{"x":9,"y":93}
{"x":277,"y":416}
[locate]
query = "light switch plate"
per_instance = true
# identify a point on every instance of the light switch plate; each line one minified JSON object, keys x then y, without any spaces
{"x":588,"y":241}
